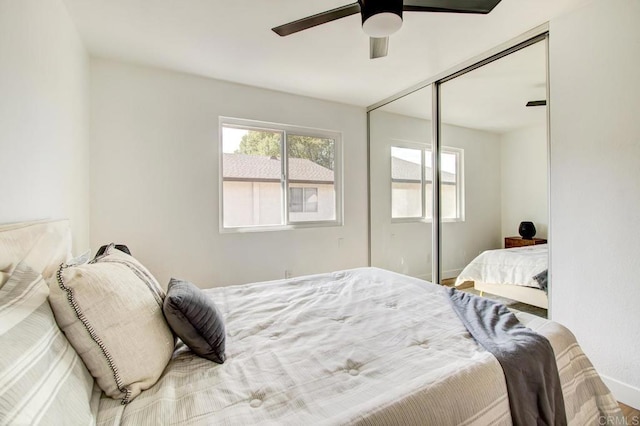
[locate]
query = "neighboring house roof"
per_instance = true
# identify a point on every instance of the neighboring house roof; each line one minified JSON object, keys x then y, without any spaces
{"x":407,"y":171}
{"x":262,"y":167}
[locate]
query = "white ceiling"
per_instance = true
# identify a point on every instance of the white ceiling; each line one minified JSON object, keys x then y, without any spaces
{"x":232,"y":40}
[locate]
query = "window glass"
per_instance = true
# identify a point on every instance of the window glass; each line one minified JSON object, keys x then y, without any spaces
{"x":254,"y":176}
{"x":311,"y":200}
{"x":311,"y":163}
{"x":449,"y":185}
{"x":406,"y":182}
{"x":295,"y":199}
{"x":251,"y":172}
{"x":411,"y":184}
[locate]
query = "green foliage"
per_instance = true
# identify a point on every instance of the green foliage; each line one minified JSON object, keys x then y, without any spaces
{"x":260,"y":143}
{"x":318,"y":150}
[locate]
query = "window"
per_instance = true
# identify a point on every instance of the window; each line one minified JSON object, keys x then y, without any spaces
{"x":406,"y":182}
{"x":276,"y":176}
{"x":303,"y":200}
{"x":411,"y":183}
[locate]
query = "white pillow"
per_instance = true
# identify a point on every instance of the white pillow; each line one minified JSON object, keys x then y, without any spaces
{"x":42,"y":379}
{"x":111,"y":311}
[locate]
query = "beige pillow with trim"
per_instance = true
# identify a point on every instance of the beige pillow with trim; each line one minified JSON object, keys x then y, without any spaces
{"x":111,"y":311}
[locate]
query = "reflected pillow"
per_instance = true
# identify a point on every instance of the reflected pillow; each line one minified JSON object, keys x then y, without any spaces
{"x":193,"y":316}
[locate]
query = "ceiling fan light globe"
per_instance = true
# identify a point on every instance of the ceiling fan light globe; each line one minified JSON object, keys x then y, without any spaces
{"x":382,"y":24}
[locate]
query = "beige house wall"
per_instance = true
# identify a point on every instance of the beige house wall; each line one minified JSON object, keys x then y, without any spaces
{"x":326,"y":203}
{"x":259,"y":203}
{"x":406,"y":201}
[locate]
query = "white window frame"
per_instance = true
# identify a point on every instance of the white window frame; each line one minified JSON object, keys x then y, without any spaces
{"x":284,"y":129}
{"x":459,"y":154}
{"x":460,"y":183}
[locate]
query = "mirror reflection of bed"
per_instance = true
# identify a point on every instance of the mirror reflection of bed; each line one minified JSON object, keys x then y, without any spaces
{"x":516,"y":276}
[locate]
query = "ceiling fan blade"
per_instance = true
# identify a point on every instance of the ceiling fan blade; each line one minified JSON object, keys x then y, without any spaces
{"x":317,"y":19}
{"x":536,"y":103}
{"x":452,"y":6}
{"x":378,"y":47}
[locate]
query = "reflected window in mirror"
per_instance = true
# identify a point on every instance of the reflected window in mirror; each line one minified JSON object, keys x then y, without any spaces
{"x":451,"y":185}
{"x":412,"y":184}
{"x":406,"y":183}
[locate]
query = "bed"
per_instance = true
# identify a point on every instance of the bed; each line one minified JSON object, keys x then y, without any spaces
{"x":360,"y":346}
{"x":510,"y":273}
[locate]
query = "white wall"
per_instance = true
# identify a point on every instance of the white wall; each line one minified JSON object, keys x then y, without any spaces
{"x":44,"y":153}
{"x":154,"y":150}
{"x":524,"y":164}
{"x":595,"y":186}
{"x":406,"y":247}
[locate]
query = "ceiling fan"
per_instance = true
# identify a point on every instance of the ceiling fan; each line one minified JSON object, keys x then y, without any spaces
{"x":381,"y":18}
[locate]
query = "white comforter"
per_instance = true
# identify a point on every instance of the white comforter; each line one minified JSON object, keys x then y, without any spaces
{"x":362,"y":346}
{"x":515,"y":266}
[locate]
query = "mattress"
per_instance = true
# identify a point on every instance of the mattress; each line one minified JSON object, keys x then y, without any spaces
{"x":362,"y":346}
{"x":516,"y":266}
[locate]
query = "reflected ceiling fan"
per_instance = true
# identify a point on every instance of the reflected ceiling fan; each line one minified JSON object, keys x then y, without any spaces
{"x":381,"y":18}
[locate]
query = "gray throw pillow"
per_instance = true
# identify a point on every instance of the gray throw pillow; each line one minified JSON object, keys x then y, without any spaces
{"x":195,"y":319}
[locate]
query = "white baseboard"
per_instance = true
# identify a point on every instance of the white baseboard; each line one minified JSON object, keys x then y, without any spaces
{"x":622,"y":392}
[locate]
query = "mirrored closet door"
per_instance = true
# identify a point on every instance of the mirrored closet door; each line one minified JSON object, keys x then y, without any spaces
{"x":493,"y":174}
{"x":401,"y":173}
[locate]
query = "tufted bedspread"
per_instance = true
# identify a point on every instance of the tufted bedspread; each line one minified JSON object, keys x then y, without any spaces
{"x":362,"y":346}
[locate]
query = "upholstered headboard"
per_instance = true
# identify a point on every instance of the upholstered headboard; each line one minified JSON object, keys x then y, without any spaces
{"x":43,"y":245}
{"x":44,"y":380}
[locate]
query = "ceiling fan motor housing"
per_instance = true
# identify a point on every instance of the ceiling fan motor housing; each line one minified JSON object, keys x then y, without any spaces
{"x":381,"y":18}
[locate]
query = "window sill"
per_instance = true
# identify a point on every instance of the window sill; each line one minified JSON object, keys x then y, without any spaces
{"x":422,"y":220}
{"x":273,"y":228}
